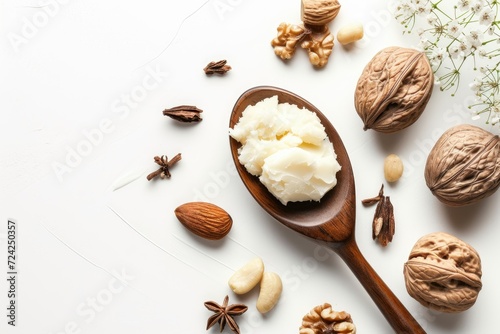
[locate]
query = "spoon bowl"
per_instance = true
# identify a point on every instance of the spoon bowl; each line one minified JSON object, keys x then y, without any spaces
{"x":313,"y":219}
{"x":331,"y":220}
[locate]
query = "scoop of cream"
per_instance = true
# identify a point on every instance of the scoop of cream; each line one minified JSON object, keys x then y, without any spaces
{"x":288,"y":149}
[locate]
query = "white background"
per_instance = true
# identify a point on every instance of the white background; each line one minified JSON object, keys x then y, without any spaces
{"x":97,"y":258}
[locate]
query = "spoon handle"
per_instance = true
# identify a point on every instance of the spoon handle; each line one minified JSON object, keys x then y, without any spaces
{"x":393,"y":310}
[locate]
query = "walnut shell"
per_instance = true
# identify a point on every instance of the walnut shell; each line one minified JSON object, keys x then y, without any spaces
{"x":319,"y":12}
{"x":393,"y":89}
{"x":463,"y":167}
{"x":443,"y":273}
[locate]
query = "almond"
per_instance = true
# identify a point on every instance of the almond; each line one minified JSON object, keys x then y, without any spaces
{"x":206,"y":220}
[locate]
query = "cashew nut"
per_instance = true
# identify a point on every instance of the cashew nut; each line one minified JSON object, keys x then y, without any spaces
{"x":350,"y":33}
{"x":270,"y":292}
{"x":247,"y":277}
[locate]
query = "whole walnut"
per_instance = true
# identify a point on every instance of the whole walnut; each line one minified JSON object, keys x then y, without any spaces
{"x":463,"y":167}
{"x":443,"y":273}
{"x":319,"y":12}
{"x":393,"y":89}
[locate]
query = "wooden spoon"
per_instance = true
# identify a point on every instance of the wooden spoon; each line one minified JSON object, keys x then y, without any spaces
{"x":332,"y":220}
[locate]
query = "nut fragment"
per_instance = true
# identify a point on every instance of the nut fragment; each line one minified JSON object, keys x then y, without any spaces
{"x":270,"y":292}
{"x":285,"y":43}
{"x":319,"y":12}
{"x":463,"y":167}
{"x":323,"y":320}
{"x":317,"y":40}
{"x":393,"y":168}
{"x":313,"y":35}
{"x":393,"y":89}
{"x":319,"y":46}
{"x":443,"y":273}
{"x":350,"y":33}
{"x":206,"y":220}
{"x":247,"y":277}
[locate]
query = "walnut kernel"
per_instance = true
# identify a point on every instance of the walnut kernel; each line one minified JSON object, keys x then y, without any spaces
{"x":319,"y":46}
{"x":285,"y":43}
{"x":322,"y":319}
{"x":443,"y":273}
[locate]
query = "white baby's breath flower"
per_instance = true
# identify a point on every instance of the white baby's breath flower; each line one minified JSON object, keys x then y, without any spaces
{"x":455,"y":52}
{"x":464,"y":45}
{"x":486,"y":16}
{"x":484,"y":69}
{"x":495,"y":109}
{"x":475,"y":38}
{"x":454,"y":28}
{"x":424,"y":44}
{"x":476,"y":85}
{"x":403,"y":10}
{"x":432,"y":19}
{"x":409,"y":8}
{"x":423,"y":8}
{"x":482,"y":52}
{"x":476,"y":6}
{"x":463,"y":5}
{"x":491,"y":30}
{"x":439,"y":54}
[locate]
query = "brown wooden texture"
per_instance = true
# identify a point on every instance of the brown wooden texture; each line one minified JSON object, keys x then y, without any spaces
{"x":332,"y":220}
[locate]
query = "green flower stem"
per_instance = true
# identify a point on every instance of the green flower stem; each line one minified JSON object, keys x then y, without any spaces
{"x":436,"y":7}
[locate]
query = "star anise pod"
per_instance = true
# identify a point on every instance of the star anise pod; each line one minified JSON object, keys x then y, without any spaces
{"x":224,"y":314}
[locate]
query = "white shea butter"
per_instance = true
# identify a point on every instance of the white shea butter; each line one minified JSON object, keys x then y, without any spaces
{"x":288,"y":149}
